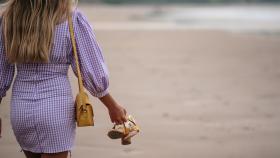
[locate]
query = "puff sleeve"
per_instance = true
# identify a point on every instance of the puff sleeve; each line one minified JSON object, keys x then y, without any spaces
{"x":94,"y":71}
{"x":7,"y":70}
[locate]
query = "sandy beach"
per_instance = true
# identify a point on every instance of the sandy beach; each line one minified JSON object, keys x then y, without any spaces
{"x":195,"y":93}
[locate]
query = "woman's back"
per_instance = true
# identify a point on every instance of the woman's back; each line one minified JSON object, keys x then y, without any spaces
{"x":35,"y":41}
{"x":42,"y":101}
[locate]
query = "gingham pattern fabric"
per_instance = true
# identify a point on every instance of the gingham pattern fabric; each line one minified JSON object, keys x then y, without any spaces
{"x":42,"y":105}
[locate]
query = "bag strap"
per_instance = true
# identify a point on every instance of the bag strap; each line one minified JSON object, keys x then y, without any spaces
{"x":71,"y":29}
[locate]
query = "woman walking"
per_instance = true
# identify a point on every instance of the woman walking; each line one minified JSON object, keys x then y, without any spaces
{"x":35,"y":39}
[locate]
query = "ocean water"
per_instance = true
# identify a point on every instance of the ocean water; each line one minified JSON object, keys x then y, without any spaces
{"x":256,"y":18}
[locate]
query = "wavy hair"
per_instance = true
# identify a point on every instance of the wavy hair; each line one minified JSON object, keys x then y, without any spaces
{"x":28,"y":28}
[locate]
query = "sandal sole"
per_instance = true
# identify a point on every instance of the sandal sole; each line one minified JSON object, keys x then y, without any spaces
{"x":115,"y":134}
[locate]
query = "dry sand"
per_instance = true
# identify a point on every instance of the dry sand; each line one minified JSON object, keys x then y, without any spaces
{"x":195,"y":94}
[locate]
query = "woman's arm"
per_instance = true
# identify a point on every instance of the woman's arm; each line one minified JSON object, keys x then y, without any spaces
{"x":117,"y":112}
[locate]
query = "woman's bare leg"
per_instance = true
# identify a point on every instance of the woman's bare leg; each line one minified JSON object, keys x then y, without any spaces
{"x":55,"y":155}
{"x":29,"y":154}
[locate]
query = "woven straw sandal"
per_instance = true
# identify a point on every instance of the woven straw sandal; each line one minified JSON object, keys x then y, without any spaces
{"x":125,"y":130}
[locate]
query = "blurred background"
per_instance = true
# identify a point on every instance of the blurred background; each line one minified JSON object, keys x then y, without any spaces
{"x":201,"y":78}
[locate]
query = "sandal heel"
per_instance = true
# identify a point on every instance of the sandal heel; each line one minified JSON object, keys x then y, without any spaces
{"x":126,"y":141}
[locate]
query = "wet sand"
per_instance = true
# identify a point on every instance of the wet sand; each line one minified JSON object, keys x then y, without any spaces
{"x":195,"y":93}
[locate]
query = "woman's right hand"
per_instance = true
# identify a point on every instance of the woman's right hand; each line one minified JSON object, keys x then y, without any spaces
{"x":117,"y":114}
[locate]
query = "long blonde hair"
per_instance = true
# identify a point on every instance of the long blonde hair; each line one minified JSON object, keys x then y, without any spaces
{"x":28,"y":28}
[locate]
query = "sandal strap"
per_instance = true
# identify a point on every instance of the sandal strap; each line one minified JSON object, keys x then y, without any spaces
{"x":129,"y":119}
{"x":126,"y":131}
{"x":136,"y":127}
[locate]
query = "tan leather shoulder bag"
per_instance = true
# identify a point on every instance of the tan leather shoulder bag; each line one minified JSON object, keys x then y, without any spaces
{"x":83,"y":108}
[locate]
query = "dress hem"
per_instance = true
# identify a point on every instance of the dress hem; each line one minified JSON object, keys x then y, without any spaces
{"x":69,"y":149}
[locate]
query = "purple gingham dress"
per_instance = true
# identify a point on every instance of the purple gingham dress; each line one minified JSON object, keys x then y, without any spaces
{"x":42,"y":105}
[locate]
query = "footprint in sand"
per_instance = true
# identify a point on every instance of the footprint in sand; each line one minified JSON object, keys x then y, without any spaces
{"x":248,"y":128}
{"x":131,"y":151}
{"x":165,"y":115}
{"x":203,"y":138}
